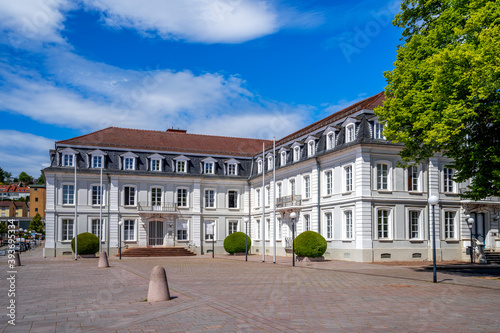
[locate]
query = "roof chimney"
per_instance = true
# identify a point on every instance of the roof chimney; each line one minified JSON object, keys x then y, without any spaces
{"x":173,"y":130}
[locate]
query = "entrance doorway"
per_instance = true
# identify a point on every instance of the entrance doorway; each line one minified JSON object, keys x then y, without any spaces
{"x":156,"y":233}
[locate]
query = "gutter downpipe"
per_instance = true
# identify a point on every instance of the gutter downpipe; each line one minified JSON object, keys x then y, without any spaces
{"x":108,"y":226}
{"x":319,"y":194}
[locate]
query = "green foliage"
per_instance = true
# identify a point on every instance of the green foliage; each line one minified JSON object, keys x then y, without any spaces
{"x":235,"y":243}
{"x":310,"y":244}
{"x":443,"y":95}
{"x":87,"y":243}
{"x":40,"y":180}
{"x":3,"y":227}
{"x":36,"y":224}
{"x":4,"y":175}
{"x":25,"y":178}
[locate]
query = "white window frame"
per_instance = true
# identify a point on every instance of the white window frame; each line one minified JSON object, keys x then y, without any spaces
{"x":206,"y":228}
{"x":350,"y":133}
{"x":180,"y":166}
{"x":65,"y":199}
{"x":419,"y":223}
{"x":230,"y":224}
{"x":268,"y":196}
{"x":232,"y":169}
{"x":296,"y":153}
{"x":91,"y":195}
{"x":328,"y":182}
{"x":134,"y":196}
{"x":70,"y":229}
{"x":155,"y":201}
{"x":257,"y":230}
{"x":450,"y":228}
{"x":185,"y":235}
{"x":206,"y":201}
{"x":208,"y":168}
{"x":293,"y":188}
{"x":329,"y":225}
{"x":348,"y":178}
{"x":236,"y":200}
{"x":127,"y":223}
{"x":388,"y":176}
{"x":270,"y":163}
{"x":257,"y":197}
{"x":95,"y":164}
{"x":128,"y":163}
{"x":307,"y":187}
{"x":348,"y":224}
{"x":279,"y":191}
{"x":155,"y":164}
{"x":259,"y":166}
{"x":186,"y":197}
{"x":283,"y":158}
{"x":307,"y":222}
{"x":66,"y":162}
{"x":378,"y":129}
{"x":330,"y":140}
{"x":413,"y":178}
{"x":94,"y":224}
{"x":311,"y":145}
{"x":449,"y":185}
{"x":388,"y":228}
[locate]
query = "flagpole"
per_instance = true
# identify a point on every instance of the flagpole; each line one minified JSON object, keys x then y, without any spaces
{"x":274,"y":199}
{"x":100,"y":214}
{"x":76,"y":214}
{"x":263,"y":234}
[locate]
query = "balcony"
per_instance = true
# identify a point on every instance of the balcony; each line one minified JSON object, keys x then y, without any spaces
{"x":289,"y":201}
{"x":168,"y":207}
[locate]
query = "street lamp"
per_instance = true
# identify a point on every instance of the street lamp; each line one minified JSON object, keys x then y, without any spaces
{"x":293,"y":215}
{"x":120,"y":238}
{"x":470,"y":221}
{"x":213,"y":239}
{"x":433,"y":200}
{"x":246,"y":235}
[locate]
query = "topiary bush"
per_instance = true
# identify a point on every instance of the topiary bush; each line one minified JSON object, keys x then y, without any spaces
{"x":87,"y":243}
{"x":235,"y":242}
{"x":310,"y":244}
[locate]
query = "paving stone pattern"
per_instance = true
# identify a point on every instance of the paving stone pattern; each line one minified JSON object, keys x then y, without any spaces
{"x":227,"y":294}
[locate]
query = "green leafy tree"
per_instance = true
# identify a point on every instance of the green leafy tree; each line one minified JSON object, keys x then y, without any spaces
{"x":443,"y":95}
{"x":36,"y":224}
{"x":25,"y":178}
{"x":3,"y":228}
{"x":40,"y":180}
{"x":4,"y":175}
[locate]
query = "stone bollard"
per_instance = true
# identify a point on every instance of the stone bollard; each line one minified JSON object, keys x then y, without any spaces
{"x":17,"y":259}
{"x":158,"y":285}
{"x":103,"y":260}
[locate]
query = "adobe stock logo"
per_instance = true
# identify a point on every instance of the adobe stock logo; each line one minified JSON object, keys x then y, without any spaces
{"x":353,"y":42}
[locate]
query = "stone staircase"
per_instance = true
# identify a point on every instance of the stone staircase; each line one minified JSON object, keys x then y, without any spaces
{"x":156,"y":252}
{"x":492,"y":257}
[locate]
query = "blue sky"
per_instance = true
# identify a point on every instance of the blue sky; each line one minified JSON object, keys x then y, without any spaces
{"x":248,"y":68}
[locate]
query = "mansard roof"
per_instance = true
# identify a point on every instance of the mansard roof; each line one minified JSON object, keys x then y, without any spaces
{"x":171,"y":141}
{"x":369,"y":103}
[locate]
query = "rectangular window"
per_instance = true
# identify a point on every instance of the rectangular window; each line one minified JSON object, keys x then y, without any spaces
{"x":329,"y":226}
{"x":258,"y":236}
{"x":68,"y":160}
{"x":280,"y":190}
{"x":257,"y":197}
{"x":96,"y":195}
{"x":348,"y":224}
{"x":182,"y":194}
{"x":129,"y":230}
{"x":259,"y":166}
{"x":283,"y":158}
{"x":270,"y":163}
{"x":448,"y":180}
{"x":182,"y":230}
{"x":181,"y":166}
{"x":280,"y":228}
{"x":412,"y":178}
{"x":307,"y":222}
{"x":292,"y":187}
{"x":449,"y":225}
{"x":348,"y":178}
{"x":209,"y":168}
{"x":156,"y":196}
{"x":232,"y":199}
{"x":296,"y":154}
{"x":98,"y":228}
{"x":350,"y":133}
{"x":128,"y":163}
{"x":268,"y":196}
{"x":67,"y":229}
{"x":329,"y":184}
{"x":414,"y":224}
{"x":307,"y":186}
{"x":330,"y":140}
{"x":155,"y":165}
{"x":232,"y":227}
{"x":268,"y":229}
{"x":209,"y":230}
{"x":378,"y":130}
{"x":209,"y":199}
{"x":382,"y":176}
{"x":97,"y":161}
{"x":231,"y":169}
{"x":310,"y":148}
{"x":383,"y":224}
{"x":129,"y":196}
{"x":68,"y":194}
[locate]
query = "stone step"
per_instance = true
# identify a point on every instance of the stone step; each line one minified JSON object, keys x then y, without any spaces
{"x":157,"y":252}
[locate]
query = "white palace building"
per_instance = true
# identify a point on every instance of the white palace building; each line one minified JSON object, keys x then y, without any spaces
{"x":338,"y":175}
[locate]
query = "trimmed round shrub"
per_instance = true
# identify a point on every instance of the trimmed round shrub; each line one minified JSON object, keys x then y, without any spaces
{"x":310,"y":244}
{"x":87,"y":243}
{"x":235,"y":243}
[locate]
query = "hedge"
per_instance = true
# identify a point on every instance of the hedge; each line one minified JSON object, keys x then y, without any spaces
{"x":87,"y":243}
{"x":310,"y":244}
{"x":235,"y":243}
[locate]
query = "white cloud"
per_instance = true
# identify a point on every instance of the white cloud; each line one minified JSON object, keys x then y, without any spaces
{"x":24,"y":152}
{"x":206,"y":21}
{"x":33,"y":20}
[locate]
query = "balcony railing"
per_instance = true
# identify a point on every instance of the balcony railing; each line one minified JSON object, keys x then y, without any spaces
{"x":289,"y":201}
{"x":165,"y":207}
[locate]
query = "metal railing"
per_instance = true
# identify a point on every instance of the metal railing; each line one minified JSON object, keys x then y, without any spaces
{"x":288,"y":201}
{"x":165,"y":207}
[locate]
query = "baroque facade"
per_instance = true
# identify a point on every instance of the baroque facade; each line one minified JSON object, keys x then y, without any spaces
{"x":339,"y":176}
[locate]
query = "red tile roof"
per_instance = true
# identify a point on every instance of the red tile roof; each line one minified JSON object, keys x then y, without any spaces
{"x":369,"y":103}
{"x":174,"y":141}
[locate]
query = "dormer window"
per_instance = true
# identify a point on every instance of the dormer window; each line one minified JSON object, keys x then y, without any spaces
{"x":330,"y":140}
{"x":128,"y":161}
{"x":181,"y":164}
{"x":68,"y":157}
{"x":259,"y":166}
{"x":155,"y":162}
{"x":270,"y":163}
{"x":97,"y":161}
{"x":208,"y":166}
{"x":296,"y":154}
{"x":378,"y":129}
{"x":283,"y":158}
{"x":310,"y":148}
{"x":350,"y":133}
{"x":232,"y":167}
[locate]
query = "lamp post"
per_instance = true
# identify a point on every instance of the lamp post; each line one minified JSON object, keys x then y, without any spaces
{"x":120,"y":238}
{"x":433,"y":200}
{"x":246,"y":235}
{"x":213,"y":239}
{"x":293,"y":215}
{"x":470,"y":221}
